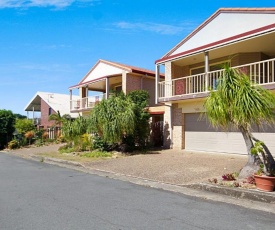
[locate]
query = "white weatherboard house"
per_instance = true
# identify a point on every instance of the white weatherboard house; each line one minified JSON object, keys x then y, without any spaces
{"x":242,"y":37}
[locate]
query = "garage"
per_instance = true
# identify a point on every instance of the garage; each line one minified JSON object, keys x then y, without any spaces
{"x":201,"y":136}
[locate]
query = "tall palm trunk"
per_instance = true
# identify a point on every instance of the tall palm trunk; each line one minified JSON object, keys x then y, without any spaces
{"x":254,"y":161}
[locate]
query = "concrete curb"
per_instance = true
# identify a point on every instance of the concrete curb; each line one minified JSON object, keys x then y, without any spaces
{"x":241,"y":193}
{"x":54,"y":160}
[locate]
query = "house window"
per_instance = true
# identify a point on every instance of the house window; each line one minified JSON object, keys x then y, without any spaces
{"x":50,"y":110}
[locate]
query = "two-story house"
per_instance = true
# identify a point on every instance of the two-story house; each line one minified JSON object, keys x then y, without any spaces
{"x":242,"y":37}
{"x":107,"y":77}
{"x":49,"y":103}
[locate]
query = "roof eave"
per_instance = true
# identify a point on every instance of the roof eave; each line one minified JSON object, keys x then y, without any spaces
{"x":223,"y":42}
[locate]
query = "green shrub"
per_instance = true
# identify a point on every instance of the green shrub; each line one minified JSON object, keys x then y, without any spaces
{"x":13,"y":144}
{"x":99,"y":144}
{"x":128,"y":144}
{"x":38,"y":142}
{"x":23,"y":142}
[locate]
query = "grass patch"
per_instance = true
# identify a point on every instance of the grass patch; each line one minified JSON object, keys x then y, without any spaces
{"x":66,"y":150}
{"x":97,"y":154}
{"x":81,"y":157}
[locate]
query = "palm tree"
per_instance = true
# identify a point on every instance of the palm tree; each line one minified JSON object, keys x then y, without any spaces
{"x":238,"y":102}
{"x":58,"y":119}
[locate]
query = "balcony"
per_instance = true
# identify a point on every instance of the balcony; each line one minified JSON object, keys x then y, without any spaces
{"x":195,"y":86}
{"x":85,"y":103}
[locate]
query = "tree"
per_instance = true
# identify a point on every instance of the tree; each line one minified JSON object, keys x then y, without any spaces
{"x":58,"y":119}
{"x":240,"y":103}
{"x":20,"y":116}
{"x":24,"y":125}
{"x":142,"y":116}
{"x":7,"y":120}
{"x":113,"y":118}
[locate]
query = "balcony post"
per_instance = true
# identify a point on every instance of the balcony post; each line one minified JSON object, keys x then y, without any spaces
{"x":206,"y":63}
{"x":33,"y":114}
{"x":71,"y":97}
{"x":107,"y":88}
{"x":157,"y":84}
{"x":87,"y":98}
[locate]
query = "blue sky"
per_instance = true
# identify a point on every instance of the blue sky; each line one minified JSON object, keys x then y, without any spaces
{"x":49,"y":45}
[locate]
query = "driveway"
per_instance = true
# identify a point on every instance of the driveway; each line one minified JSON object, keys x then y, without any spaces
{"x":169,"y":166}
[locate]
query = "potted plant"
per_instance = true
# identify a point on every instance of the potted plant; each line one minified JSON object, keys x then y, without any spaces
{"x":265,"y":176}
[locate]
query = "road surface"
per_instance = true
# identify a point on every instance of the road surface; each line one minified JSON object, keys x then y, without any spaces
{"x":36,"y":195}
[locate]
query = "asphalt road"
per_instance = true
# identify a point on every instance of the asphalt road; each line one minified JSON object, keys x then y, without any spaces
{"x":36,"y":195}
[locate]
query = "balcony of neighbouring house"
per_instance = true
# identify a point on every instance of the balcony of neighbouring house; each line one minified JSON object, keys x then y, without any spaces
{"x":197,"y":86}
{"x":85,"y":103}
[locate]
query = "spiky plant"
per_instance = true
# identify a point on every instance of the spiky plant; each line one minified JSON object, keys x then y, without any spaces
{"x":238,"y":102}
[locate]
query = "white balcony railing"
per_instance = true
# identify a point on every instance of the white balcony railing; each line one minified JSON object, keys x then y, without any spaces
{"x":86,"y":102}
{"x":262,"y":73}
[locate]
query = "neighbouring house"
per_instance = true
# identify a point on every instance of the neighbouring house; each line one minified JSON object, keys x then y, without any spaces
{"x":107,"y":77}
{"x":242,"y":37}
{"x":49,"y":103}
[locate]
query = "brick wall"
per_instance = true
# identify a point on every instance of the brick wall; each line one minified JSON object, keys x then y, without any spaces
{"x":132,"y":83}
{"x":246,"y":58}
{"x":149,"y":86}
{"x":45,"y":115}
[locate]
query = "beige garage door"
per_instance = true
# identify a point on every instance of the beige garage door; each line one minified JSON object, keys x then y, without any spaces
{"x":201,"y":136}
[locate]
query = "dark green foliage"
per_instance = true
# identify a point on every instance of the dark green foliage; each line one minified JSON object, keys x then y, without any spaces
{"x":140,"y":98}
{"x":142,"y":116}
{"x":38,"y":134}
{"x":99,"y":144}
{"x":19,"y":116}
{"x":7,"y":120}
{"x":128,"y":144}
{"x":122,"y":120}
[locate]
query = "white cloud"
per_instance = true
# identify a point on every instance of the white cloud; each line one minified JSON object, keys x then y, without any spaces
{"x":155,"y":27}
{"x":40,"y":3}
